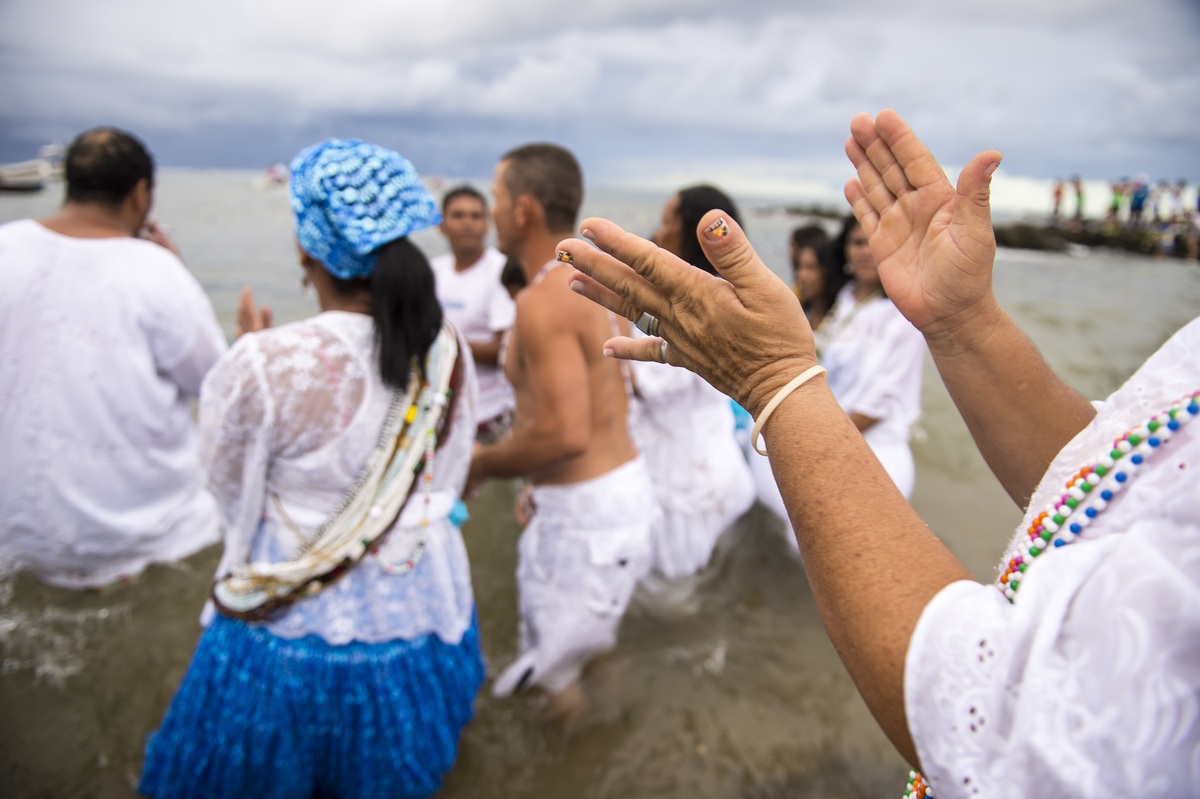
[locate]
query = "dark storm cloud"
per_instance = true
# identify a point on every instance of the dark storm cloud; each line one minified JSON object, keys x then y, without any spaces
{"x":1101,"y":88}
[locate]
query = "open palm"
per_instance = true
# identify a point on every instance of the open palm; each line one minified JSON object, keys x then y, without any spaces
{"x":934,"y":244}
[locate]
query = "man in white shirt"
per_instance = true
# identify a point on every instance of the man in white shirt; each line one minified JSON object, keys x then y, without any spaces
{"x":105,"y":337}
{"x":475,"y":301}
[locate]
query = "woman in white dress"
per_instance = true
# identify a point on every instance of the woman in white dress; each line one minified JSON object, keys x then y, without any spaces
{"x":343,"y":658}
{"x":874,"y":358}
{"x":685,"y":430}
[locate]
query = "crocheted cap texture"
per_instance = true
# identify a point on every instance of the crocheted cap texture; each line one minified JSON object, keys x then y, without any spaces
{"x":350,"y":197}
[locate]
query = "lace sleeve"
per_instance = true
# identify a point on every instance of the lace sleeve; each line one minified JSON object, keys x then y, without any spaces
{"x":236,"y":422}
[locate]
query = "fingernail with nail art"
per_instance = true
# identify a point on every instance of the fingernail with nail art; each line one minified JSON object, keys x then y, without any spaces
{"x":565,"y":257}
{"x":718,"y":230}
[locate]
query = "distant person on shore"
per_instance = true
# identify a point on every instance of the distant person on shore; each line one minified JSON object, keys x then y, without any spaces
{"x":588,"y":541}
{"x":1072,"y":675}
{"x":475,"y":302}
{"x":685,"y":429}
{"x":1160,"y":202}
{"x":1056,"y":214}
{"x":105,"y":340}
{"x":802,"y":238}
{"x":343,"y":658}
{"x":1138,"y":194}
{"x":1077,"y":186}
{"x":1177,"y":210}
{"x":1112,"y":221}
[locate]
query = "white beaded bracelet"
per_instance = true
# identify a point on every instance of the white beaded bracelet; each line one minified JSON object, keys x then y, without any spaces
{"x":779,"y":397}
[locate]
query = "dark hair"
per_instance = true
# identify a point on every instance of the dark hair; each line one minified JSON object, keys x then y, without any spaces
{"x":404,"y":306}
{"x":832,"y":278}
{"x":103,"y":165}
{"x":513,"y":275}
{"x":694,"y":203}
{"x":462,"y":191}
{"x":838,"y":252}
{"x":807,"y":236}
{"x":552,"y":175}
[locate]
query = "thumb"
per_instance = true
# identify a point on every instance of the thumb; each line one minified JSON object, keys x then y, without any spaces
{"x":729,"y":251}
{"x":268,"y":318}
{"x":646,"y":348}
{"x":973,"y":205}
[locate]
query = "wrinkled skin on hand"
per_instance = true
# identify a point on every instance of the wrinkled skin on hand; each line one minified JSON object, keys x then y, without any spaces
{"x":934,"y":243}
{"x":745,"y":334}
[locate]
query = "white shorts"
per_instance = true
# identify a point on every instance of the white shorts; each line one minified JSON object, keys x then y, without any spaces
{"x":580,"y":557}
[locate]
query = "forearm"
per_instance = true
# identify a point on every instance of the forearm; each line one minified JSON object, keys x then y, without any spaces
{"x":863,"y":422}
{"x":526,"y":452}
{"x":485,"y":353}
{"x":1019,"y":412}
{"x":872,"y":564}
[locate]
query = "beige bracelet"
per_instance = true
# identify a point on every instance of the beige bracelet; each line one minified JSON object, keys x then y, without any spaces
{"x":779,"y":397}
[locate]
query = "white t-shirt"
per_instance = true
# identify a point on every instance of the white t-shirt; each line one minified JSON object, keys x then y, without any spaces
{"x":102,"y":344}
{"x":478,"y":305}
{"x":1088,"y":684}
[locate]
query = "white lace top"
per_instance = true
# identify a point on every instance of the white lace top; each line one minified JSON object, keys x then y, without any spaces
{"x":103,"y":344}
{"x":287,"y":420}
{"x":1089,"y":684}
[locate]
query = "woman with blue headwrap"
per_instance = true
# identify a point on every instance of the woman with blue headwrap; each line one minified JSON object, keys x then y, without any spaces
{"x":342,"y":651}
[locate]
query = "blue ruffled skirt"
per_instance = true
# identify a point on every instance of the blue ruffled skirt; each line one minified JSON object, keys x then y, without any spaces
{"x":263,"y":716}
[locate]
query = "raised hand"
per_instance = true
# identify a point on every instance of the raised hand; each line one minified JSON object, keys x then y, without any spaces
{"x":250,"y":318}
{"x":934,"y":243}
{"x":746,"y":335}
{"x":155,"y":232}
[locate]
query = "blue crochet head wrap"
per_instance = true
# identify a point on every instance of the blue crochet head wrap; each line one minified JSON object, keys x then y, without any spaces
{"x":350,"y":197}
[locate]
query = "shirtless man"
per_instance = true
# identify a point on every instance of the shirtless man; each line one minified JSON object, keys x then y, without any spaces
{"x":587,"y":541}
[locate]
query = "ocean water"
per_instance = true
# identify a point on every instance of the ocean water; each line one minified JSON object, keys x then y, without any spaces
{"x":746,"y":698}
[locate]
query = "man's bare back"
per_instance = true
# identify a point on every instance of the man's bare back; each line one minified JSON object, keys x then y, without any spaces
{"x":563,"y":382}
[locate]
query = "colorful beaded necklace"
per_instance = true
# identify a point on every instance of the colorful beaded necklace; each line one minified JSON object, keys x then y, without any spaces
{"x":1089,"y":490}
{"x":1087,"y":494}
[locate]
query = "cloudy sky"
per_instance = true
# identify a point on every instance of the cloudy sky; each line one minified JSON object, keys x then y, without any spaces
{"x":757,"y":95}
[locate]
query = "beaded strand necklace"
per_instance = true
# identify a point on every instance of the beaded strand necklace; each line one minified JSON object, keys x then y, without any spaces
{"x":1087,"y":494}
{"x":427,"y":494}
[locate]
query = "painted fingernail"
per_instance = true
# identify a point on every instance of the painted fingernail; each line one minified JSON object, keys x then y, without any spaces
{"x":588,"y":234}
{"x":718,"y":230}
{"x":992,"y":168}
{"x":565,"y":257}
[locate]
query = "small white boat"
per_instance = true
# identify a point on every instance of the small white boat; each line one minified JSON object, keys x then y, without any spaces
{"x":54,"y":155}
{"x":26,"y":175}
